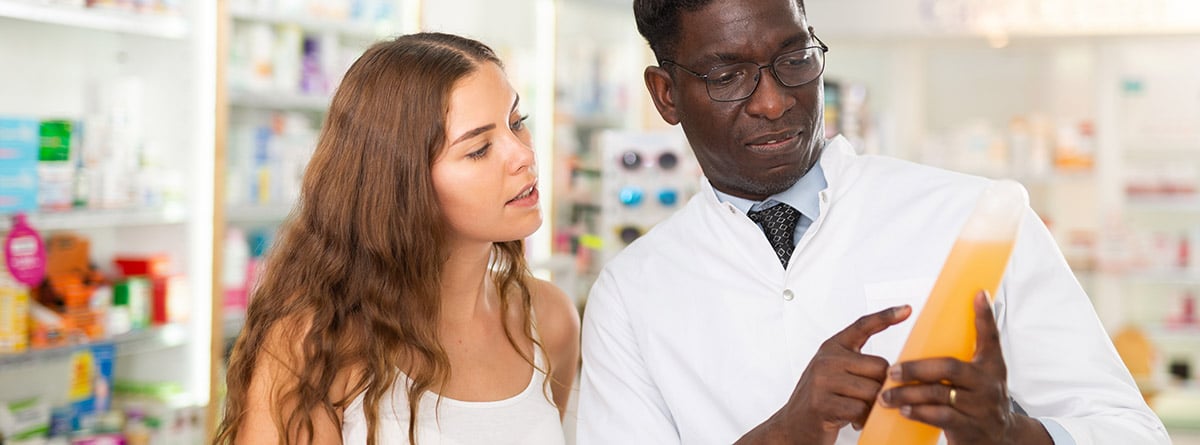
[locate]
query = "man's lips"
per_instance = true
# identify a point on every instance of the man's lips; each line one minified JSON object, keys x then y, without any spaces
{"x":772,"y":143}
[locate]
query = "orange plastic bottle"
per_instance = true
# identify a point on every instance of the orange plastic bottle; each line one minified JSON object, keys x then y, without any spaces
{"x":946,"y":325}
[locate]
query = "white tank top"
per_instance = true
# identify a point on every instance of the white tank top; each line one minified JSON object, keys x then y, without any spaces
{"x":528,"y":418}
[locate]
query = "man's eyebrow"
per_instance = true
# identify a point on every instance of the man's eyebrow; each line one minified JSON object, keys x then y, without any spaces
{"x":799,"y":37}
{"x":723,"y":57}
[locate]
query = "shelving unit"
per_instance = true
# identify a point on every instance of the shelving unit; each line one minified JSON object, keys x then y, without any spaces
{"x":598,"y":58}
{"x":1165,"y":205}
{"x":257,"y":107}
{"x":257,"y":214}
{"x":279,"y":101}
{"x":64,"y":56}
{"x":1185,"y":335}
{"x":110,"y":218}
{"x":138,"y":342}
{"x":263,"y":88}
{"x":1177,"y":277}
{"x":361,"y":30}
{"x":150,"y":25}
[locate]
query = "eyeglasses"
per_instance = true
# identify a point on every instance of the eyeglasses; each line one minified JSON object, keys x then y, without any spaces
{"x":731,"y":83}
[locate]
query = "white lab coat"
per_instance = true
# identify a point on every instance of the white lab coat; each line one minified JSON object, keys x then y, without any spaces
{"x":694,"y":334}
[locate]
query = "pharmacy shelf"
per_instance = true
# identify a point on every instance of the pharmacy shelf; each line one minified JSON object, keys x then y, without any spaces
{"x":137,"y":342}
{"x":153,"y":25}
{"x":1164,"y":277}
{"x":1179,"y":408}
{"x":363,"y":30}
{"x":1170,"y":277}
{"x":232,"y":326}
{"x":279,"y":101}
{"x":1164,"y":205}
{"x":255,"y":214}
{"x":103,"y":218}
{"x":1057,"y":178}
{"x":1142,"y":150}
{"x":1184,"y":334}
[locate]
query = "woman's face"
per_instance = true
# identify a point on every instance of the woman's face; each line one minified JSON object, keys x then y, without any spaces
{"x":486,"y":176}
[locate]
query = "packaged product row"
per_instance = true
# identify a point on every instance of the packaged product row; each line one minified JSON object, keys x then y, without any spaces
{"x":65,"y":316}
{"x":267,"y":156}
{"x":95,"y":161}
{"x":101,"y":409}
{"x":55,"y":295}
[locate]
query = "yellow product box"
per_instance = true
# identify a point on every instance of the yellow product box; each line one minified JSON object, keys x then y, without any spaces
{"x":14,"y":318}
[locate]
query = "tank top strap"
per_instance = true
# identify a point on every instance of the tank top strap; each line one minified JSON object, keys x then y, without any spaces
{"x":539,"y":359}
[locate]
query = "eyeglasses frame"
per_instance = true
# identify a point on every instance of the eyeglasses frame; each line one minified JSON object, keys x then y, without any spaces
{"x":820,"y":45}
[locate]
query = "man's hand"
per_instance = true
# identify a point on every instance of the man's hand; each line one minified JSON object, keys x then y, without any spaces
{"x":838,"y":387}
{"x":968,"y":400}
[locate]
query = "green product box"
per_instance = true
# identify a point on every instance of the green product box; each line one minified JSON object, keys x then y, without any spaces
{"x":55,"y":140}
{"x":134,"y":294}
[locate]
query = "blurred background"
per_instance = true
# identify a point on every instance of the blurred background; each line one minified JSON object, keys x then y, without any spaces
{"x":155,"y":146}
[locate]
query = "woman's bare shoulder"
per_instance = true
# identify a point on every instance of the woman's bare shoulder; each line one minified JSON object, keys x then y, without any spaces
{"x":556,"y":315}
{"x":282,"y":357}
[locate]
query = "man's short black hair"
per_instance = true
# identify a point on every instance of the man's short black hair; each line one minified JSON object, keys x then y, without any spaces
{"x":658,"y":22}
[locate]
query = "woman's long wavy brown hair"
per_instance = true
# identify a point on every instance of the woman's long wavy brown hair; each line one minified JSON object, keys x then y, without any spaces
{"x":359,"y":260}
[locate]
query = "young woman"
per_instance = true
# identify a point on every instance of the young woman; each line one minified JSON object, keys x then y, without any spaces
{"x":396,"y":306}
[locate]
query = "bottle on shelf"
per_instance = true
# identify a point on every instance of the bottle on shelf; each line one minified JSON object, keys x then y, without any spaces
{"x":24,"y":266}
{"x":1140,"y":356}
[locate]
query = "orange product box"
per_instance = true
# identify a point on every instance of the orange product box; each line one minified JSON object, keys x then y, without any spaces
{"x":67,"y":253}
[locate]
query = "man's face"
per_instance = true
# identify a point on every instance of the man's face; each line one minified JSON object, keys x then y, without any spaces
{"x":760,"y":145}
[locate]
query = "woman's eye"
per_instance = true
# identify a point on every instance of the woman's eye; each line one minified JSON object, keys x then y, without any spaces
{"x":480,"y":153}
{"x":519,"y":123}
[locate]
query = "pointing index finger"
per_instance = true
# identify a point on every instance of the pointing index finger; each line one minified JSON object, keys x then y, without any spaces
{"x":853,"y":337}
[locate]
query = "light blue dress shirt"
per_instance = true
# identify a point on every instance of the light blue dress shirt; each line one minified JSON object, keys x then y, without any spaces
{"x":803,"y":196}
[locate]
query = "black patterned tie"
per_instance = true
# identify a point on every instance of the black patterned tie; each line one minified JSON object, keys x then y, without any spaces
{"x":779,"y":224}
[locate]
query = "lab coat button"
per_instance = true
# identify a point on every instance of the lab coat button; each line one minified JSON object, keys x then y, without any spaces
{"x":788,"y":294}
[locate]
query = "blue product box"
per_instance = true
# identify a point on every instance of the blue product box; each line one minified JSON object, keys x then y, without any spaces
{"x":18,"y":188}
{"x":18,"y":140}
{"x":90,"y":386}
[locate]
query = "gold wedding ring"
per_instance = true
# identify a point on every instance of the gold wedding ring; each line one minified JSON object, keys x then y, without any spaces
{"x":953,"y":396}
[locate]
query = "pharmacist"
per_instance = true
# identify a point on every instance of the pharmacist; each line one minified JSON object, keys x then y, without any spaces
{"x":706,"y":331}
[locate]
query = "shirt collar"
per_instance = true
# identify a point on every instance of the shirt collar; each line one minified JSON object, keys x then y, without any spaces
{"x":803,"y":195}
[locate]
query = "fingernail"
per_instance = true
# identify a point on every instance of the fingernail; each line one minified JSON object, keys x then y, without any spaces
{"x":857,"y":426}
{"x":885,"y":399}
{"x":905,"y":410}
{"x":894,"y":373}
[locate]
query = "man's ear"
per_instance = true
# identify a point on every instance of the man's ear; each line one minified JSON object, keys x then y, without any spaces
{"x":661,"y":86}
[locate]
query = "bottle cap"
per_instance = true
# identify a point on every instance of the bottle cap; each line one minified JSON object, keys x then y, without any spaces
{"x":998,"y":213}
